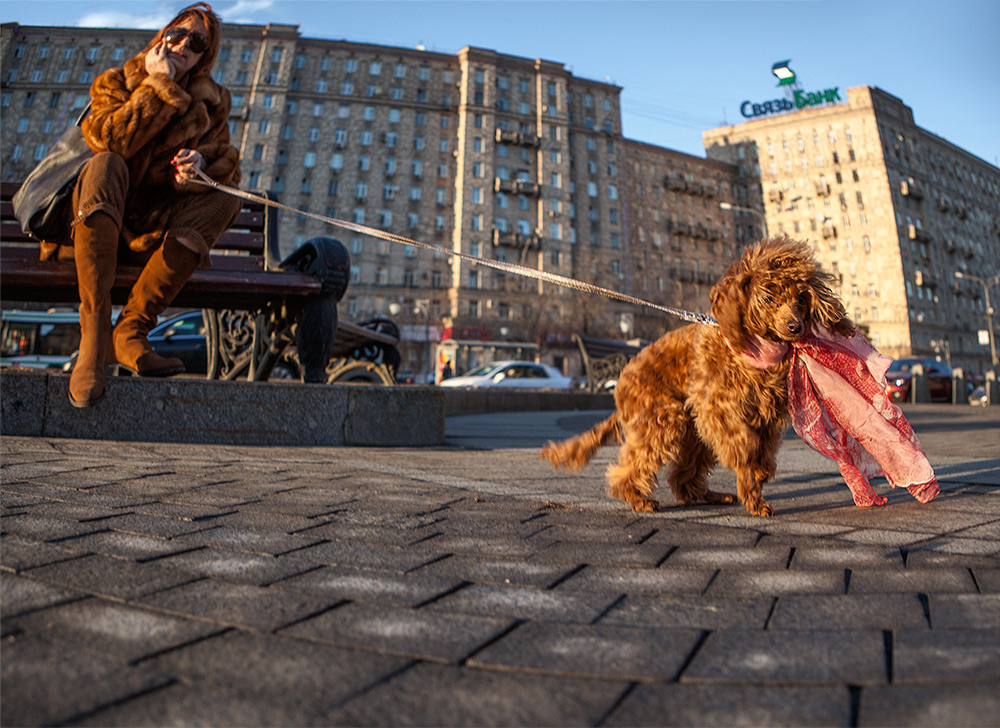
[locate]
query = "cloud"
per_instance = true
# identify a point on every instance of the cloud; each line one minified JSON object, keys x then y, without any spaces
{"x":242,"y":11}
{"x":120,"y":19}
{"x":245,"y":11}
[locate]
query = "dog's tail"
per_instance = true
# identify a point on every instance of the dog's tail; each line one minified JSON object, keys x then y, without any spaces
{"x":576,"y":452}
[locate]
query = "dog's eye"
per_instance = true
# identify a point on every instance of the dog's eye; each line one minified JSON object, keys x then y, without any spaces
{"x":803,"y":299}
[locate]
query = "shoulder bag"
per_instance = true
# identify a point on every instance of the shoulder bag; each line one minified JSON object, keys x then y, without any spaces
{"x":41,"y":204}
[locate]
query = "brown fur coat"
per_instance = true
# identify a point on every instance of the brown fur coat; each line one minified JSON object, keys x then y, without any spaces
{"x":147,"y":119}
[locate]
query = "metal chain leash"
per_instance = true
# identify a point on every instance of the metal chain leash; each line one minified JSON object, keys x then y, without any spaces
{"x":500,"y":265}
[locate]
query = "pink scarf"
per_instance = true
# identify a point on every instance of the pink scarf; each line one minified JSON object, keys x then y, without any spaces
{"x":838,"y":404}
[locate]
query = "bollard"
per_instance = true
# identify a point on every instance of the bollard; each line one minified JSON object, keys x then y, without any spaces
{"x":958,"y":393}
{"x":992,"y":388}
{"x":920,"y":392}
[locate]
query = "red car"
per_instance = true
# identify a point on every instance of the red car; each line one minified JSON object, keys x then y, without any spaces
{"x":900,"y":376}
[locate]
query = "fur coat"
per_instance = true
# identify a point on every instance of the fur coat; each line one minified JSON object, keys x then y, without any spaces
{"x":147,"y":118}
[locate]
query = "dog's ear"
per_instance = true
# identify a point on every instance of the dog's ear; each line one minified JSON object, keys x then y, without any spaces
{"x":827,"y":309}
{"x":729,"y":298}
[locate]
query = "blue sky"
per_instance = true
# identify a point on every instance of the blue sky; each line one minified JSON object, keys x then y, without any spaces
{"x":684,"y":65}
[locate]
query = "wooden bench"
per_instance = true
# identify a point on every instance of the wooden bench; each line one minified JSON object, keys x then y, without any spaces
{"x":603,"y":360}
{"x":251,"y":303}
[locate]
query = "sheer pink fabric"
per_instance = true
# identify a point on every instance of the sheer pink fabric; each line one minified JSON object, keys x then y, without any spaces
{"x":838,"y":404}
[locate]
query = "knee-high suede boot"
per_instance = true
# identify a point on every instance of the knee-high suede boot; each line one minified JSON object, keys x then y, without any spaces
{"x":163,"y":277}
{"x":95,"y":246}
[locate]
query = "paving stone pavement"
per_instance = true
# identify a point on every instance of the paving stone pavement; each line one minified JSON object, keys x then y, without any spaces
{"x":471,"y":584}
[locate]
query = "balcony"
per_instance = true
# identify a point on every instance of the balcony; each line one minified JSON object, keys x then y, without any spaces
{"x":909,"y":188}
{"x":517,"y":138}
{"x":505,"y":185}
{"x":943,"y":205}
{"x":829,"y":232}
{"x":527,"y":187}
{"x":516,"y":240}
{"x":775,"y":195}
{"x":677,"y":184}
{"x":822,"y":189}
{"x":918,"y":234}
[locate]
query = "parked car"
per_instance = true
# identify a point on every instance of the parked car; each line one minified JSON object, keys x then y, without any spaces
{"x":512,"y":375}
{"x":900,"y":376}
{"x":39,"y":339}
{"x":183,"y":336}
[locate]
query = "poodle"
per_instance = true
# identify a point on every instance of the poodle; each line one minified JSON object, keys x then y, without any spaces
{"x":707,"y":394}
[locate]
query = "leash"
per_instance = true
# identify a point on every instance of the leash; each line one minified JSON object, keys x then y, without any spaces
{"x":500,"y":265}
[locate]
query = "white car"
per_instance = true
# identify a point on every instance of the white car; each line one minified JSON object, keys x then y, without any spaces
{"x":512,"y":375}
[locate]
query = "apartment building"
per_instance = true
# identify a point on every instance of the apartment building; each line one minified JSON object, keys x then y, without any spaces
{"x":893,"y":210}
{"x":687,"y":223}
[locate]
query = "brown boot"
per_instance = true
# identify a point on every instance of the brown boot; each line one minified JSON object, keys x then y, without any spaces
{"x":163,"y":277}
{"x":95,"y":245}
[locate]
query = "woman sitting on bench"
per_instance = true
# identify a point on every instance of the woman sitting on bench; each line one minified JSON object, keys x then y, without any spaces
{"x":151,"y":124}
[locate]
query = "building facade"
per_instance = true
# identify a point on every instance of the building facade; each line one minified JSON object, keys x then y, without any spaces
{"x":892,"y":209}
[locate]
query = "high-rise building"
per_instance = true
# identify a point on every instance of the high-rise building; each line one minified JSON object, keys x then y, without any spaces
{"x":893,"y":210}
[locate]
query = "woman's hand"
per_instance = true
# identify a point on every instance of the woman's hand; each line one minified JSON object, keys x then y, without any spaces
{"x":185,"y":162}
{"x":158,"y":60}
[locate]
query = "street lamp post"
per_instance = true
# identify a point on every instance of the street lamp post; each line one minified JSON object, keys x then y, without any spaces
{"x":986,"y":283}
{"x":425,"y":308}
{"x":758,"y":213}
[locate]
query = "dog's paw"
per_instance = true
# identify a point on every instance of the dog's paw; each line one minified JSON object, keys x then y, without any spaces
{"x":641,"y":504}
{"x":761,"y":509}
{"x":714,"y":498}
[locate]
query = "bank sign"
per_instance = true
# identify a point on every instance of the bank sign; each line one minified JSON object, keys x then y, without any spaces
{"x":799,"y":99}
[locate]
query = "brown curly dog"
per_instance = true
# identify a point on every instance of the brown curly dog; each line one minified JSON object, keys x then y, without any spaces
{"x":707,"y":394}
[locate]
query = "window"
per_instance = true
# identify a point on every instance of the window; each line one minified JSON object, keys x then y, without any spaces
{"x":317,"y":108}
{"x":337,"y":161}
{"x":262,"y":126}
{"x":247,"y":55}
{"x":399,"y":71}
{"x":414,"y":193}
{"x":309,"y":161}
{"x":366,"y":137}
{"x":347,"y":88}
{"x":393,"y":116}
{"x":360,"y":189}
{"x":286,"y":131}
{"x":306,"y":186}
{"x":258,"y":152}
{"x":267,"y":102}
{"x":364,"y":162}
{"x":412,"y":220}
{"x":321,"y":86}
{"x":369,"y":113}
{"x":313,"y":133}
{"x":93,"y":52}
{"x":276,"y":55}
{"x":417,"y":168}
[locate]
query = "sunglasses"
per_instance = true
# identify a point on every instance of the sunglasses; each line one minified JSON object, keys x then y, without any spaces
{"x":196,"y":41}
